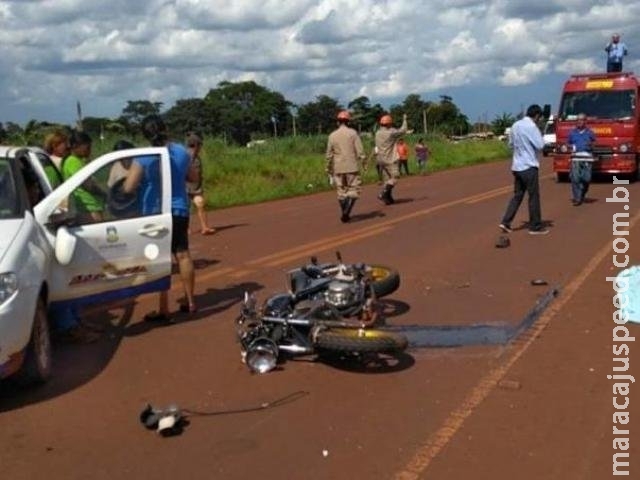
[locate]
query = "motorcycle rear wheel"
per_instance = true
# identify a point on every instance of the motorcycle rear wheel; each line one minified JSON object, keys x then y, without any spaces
{"x":351,"y":340}
{"x":384,"y":280}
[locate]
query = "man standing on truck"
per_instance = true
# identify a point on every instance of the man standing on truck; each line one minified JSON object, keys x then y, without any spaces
{"x":615,"y":51}
{"x":526,"y":142}
{"x":581,"y":139}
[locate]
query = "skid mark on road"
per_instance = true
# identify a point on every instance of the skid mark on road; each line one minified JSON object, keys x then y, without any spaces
{"x":454,"y":422}
{"x":440,"y":336}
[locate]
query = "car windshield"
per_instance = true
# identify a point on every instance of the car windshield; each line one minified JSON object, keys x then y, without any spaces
{"x":610,"y":104}
{"x":9,"y":199}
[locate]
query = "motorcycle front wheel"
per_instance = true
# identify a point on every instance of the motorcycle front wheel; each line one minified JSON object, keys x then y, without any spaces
{"x":351,"y":340}
{"x":384,"y":280}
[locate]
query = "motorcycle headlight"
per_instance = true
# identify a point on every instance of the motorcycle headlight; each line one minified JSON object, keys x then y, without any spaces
{"x":262,"y":355}
{"x":624,"y":148}
{"x":8,"y":286}
{"x":564,"y":148}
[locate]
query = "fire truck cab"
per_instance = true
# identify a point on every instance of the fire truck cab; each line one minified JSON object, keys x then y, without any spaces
{"x":610,"y":102}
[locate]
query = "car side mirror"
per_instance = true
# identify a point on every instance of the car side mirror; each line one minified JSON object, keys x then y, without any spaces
{"x":65,"y":245}
{"x":60,"y":218}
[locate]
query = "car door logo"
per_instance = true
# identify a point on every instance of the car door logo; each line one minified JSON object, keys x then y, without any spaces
{"x":112,"y":235}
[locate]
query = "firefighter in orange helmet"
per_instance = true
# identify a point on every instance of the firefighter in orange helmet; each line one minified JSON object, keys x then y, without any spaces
{"x":386,"y":138}
{"x":344,"y":156}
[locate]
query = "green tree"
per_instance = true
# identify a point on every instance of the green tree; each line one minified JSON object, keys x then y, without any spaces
{"x":318,"y":117}
{"x":14,"y":133}
{"x":414,"y":107}
{"x":501,"y":122}
{"x":193,"y":114}
{"x":365,"y":116}
{"x":247,"y":109}
{"x":445,"y":117}
{"x":95,"y":126}
{"x":135,"y":111}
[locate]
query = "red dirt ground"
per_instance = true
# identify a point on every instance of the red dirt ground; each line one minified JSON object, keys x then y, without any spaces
{"x":539,"y":408}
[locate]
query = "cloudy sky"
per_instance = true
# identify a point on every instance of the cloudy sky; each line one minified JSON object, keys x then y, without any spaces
{"x":490,"y":56}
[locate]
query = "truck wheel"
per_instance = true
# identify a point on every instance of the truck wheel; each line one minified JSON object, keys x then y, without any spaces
{"x":36,"y":368}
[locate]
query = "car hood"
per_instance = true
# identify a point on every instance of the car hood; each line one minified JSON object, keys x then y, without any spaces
{"x":9,"y":229}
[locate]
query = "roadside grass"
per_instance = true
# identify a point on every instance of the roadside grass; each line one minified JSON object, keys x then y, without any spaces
{"x":293,"y":166}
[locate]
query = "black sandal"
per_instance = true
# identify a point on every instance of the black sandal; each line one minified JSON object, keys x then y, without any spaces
{"x":184,"y":308}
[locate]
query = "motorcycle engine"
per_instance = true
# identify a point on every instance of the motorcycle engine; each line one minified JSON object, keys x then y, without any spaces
{"x":340,"y":294}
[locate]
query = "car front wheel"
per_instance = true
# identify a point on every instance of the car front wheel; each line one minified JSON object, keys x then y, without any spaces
{"x":37,"y":366}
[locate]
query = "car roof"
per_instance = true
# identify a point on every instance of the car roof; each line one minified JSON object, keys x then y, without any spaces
{"x":10,"y":150}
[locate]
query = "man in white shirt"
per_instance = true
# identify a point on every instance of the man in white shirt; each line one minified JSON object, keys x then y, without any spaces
{"x":526,"y":142}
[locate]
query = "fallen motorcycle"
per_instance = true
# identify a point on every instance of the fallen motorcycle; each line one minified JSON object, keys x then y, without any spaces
{"x":347,"y":287}
{"x":325,"y":314}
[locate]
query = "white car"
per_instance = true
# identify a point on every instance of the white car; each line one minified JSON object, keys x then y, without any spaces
{"x":51,"y":255}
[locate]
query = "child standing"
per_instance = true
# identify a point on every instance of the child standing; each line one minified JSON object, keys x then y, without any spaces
{"x":422,"y":155}
{"x":403,"y":156}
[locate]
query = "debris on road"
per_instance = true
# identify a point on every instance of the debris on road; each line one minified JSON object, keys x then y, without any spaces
{"x":503,"y":242}
{"x":509,"y":384}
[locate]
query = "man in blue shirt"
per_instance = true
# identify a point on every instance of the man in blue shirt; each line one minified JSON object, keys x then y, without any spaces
{"x":615,"y":51}
{"x":526,"y":142}
{"x":581,"y":138}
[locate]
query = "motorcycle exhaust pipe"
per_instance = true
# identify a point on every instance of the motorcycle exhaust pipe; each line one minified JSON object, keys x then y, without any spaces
{"x":296,"y":349}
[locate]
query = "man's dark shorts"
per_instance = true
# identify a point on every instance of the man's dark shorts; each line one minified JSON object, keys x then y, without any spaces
{"x":180,"y":234}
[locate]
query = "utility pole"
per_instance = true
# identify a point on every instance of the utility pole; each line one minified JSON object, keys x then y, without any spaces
{"x":424,"y":120}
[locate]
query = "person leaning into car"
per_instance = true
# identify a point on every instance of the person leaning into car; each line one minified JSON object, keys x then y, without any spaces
{"x":144,"y":176}
{"x":88,"y":199}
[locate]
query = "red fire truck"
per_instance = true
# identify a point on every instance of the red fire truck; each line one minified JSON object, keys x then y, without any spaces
{"x":610,"y":102}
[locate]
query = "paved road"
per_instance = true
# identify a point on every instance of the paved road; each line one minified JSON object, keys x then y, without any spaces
{"x":538,"y":408}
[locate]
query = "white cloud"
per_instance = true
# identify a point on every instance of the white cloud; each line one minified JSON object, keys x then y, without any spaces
{"x":106,"y":53}
{"x":523,"y":74}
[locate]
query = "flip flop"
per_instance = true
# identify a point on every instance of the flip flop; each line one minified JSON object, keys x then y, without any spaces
{"x":208,"y":231}
{"x":184,"y":308}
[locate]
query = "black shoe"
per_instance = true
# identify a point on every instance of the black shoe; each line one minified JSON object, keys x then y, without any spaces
{"x":385,"y":195}
{"x":344,"y":202}
{"x":346,"y":213}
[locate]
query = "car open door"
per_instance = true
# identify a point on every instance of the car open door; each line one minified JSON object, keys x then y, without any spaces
{"x":108,"y":244}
